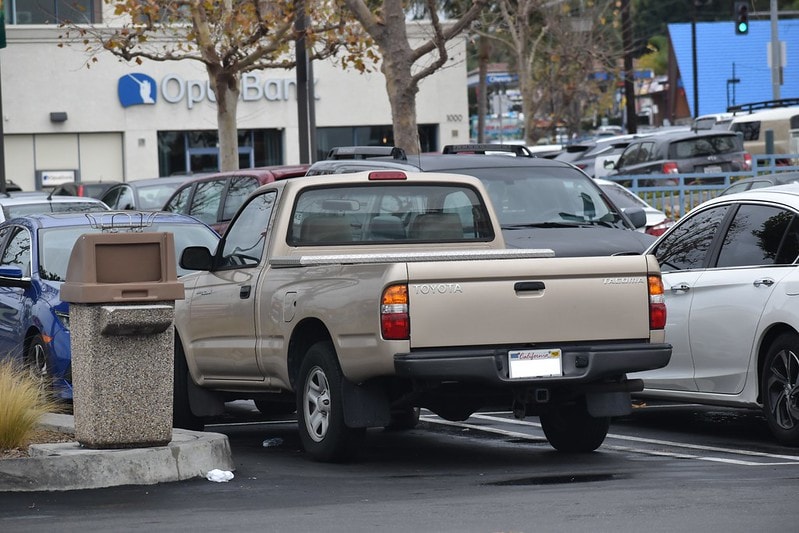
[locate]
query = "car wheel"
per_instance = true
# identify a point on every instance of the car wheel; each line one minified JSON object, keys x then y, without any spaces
{"x":404,"y":419}
{"x":569,"y":428}
{"x":320,"y":412}
{"x":182,"y":416}
{"x":780,"y":389}
{"x":37,"y":361}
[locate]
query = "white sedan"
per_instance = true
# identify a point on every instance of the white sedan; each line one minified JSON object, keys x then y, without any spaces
{"x":731,"y":283}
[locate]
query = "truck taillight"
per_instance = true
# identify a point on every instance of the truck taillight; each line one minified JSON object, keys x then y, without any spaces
{"x":747,"y":161}
{"x":395,"y":323}
{"x":657,"y":304}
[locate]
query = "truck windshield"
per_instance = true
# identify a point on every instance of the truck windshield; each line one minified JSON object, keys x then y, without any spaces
{"x":388,"y":213}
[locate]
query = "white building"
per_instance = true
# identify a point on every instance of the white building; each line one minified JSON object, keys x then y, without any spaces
{"x":62,"y":120}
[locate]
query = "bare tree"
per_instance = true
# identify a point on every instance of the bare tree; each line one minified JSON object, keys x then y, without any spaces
{"x":230,"y":37}
{"x":555,"y":48}
{"x":403,"y":66}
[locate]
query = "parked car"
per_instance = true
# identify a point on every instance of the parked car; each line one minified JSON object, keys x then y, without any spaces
{"x":767,"y":180}
{"x":34,"y":254}
{"x":21,"y":204}
{"x":730,"y":273}
{"x":91,"y":189}
{"x":714,"y":121}
{"x":144,"y":195}
{"x":657,"y":222}
{"x":684,"y":152}
{"x":215,"y":198}
{"x":590,"y":156}
{"x":541,"y":203}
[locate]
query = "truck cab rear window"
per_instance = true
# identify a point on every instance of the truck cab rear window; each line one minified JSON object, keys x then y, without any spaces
{"x":389,"y":213}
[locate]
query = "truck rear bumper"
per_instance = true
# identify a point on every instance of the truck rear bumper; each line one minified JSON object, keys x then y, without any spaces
{"x":581,"y":364}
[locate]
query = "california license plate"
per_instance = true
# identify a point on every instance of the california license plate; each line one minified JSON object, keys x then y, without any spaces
{"x":535,"y":363}
{"x":712,"y":169}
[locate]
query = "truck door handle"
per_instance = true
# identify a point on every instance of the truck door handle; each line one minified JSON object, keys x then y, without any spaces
{"x":522,"y":286}
{"x":768,"y":282}
{"x":682,"y":287}
{"x":244,"y":293}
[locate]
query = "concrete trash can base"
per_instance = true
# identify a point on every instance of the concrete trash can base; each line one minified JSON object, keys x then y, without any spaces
{"x":121,"y":288}
{"x":122,"y":383}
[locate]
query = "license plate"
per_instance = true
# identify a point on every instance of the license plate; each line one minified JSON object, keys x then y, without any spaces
{"x":535,"y":363}
{"x":713,"y":169}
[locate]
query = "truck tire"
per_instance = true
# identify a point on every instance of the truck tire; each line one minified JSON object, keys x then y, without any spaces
{"x":182,"y":416}
{"x":569,"y":428}
{"x":320,"y":410}
{"x":778,"y":389}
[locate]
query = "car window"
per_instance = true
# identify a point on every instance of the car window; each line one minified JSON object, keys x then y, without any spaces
{"x":206,"y":200}
{"x":759,"y":235}
{"x":126,"y":198}
{"x":246,"y":237}
{"x":750,"y":130}
{"x":179,"y":203}
{"x":703,"y":146}
{"x":110,"y":198}
{"x":239,"y":189}
{"x":629,"y":156}
{"x":18,"y":251}
{"x":646,"y":153}
{"x":686,"y":246}
{"x":153,"y":197}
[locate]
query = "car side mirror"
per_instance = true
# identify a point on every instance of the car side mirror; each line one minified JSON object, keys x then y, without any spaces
{"x":196,"y":258}
{"x":609,"y":164}
{"x":637,"y":216}
{"x":11,"y":276}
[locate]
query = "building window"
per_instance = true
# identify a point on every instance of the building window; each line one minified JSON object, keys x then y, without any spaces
{"x":52,"y":11}
{"x":185,"y":152}
{"x":328,"y":138}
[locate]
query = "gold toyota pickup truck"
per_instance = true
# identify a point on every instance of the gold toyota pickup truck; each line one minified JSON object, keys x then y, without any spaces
{"x":358,"y":299}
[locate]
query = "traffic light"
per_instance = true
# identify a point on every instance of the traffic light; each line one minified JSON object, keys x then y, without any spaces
{"x":741,"y":18}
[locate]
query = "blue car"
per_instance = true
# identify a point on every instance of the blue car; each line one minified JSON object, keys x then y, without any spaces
{"x":34,"y":254}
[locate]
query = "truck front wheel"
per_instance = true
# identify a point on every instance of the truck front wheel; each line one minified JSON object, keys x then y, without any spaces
{"x":569,"y":428}
{"x":320,"y":410}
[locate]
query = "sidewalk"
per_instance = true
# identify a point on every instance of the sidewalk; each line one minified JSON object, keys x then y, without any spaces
{"x":69,"y":466}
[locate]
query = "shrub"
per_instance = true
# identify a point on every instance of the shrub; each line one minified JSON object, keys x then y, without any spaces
{"x":23,"y":403}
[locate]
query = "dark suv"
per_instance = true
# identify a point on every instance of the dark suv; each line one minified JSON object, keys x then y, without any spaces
{"x":684,"y":152}
{"x":215,"y":198}
{"x":541,"y":203}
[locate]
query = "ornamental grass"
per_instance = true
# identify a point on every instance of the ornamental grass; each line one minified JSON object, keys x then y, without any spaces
{"x":23,"y":403}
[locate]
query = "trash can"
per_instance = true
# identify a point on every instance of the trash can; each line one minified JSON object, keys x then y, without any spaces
{"x":121,"y":289}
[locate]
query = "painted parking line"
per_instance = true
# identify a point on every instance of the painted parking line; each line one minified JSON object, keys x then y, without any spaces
{"x":708,"y":453}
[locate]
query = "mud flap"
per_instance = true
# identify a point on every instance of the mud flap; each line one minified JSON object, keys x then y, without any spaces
{"x":204,"y":402}
{"x":364,"y":406}
{"x":605,"y":404}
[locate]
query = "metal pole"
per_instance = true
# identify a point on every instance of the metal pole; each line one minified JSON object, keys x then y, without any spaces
{"x":693,"y":59}
{"x":629,"y":74}
{"x":776,"y":59}
{"x":302,"y":84}
{"x":2,"y":145}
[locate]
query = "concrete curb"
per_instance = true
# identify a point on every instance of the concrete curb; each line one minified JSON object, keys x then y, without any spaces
{"x":69,"y":466}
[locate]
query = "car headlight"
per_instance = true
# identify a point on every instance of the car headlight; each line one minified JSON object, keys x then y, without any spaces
{"x":63,"y":318}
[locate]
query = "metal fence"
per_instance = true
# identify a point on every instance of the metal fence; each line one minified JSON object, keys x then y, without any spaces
{"x":677,"y":194}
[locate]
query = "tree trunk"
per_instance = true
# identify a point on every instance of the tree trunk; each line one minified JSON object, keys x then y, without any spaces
{"x":402,"y":96}
{"x":226,"y":89}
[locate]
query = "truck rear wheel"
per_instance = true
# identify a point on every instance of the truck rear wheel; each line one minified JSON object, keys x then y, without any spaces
{"x":320,"y":410}
{"x":569,"y":428}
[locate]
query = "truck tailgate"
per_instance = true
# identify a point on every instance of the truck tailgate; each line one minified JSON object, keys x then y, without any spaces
{"x":549,"y":300}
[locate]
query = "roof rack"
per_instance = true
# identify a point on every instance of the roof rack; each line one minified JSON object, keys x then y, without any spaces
{"x":516,"y":149}
{"x":365,"y":152}
{"x":116,"y":221}
{"x":768,"y":104}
